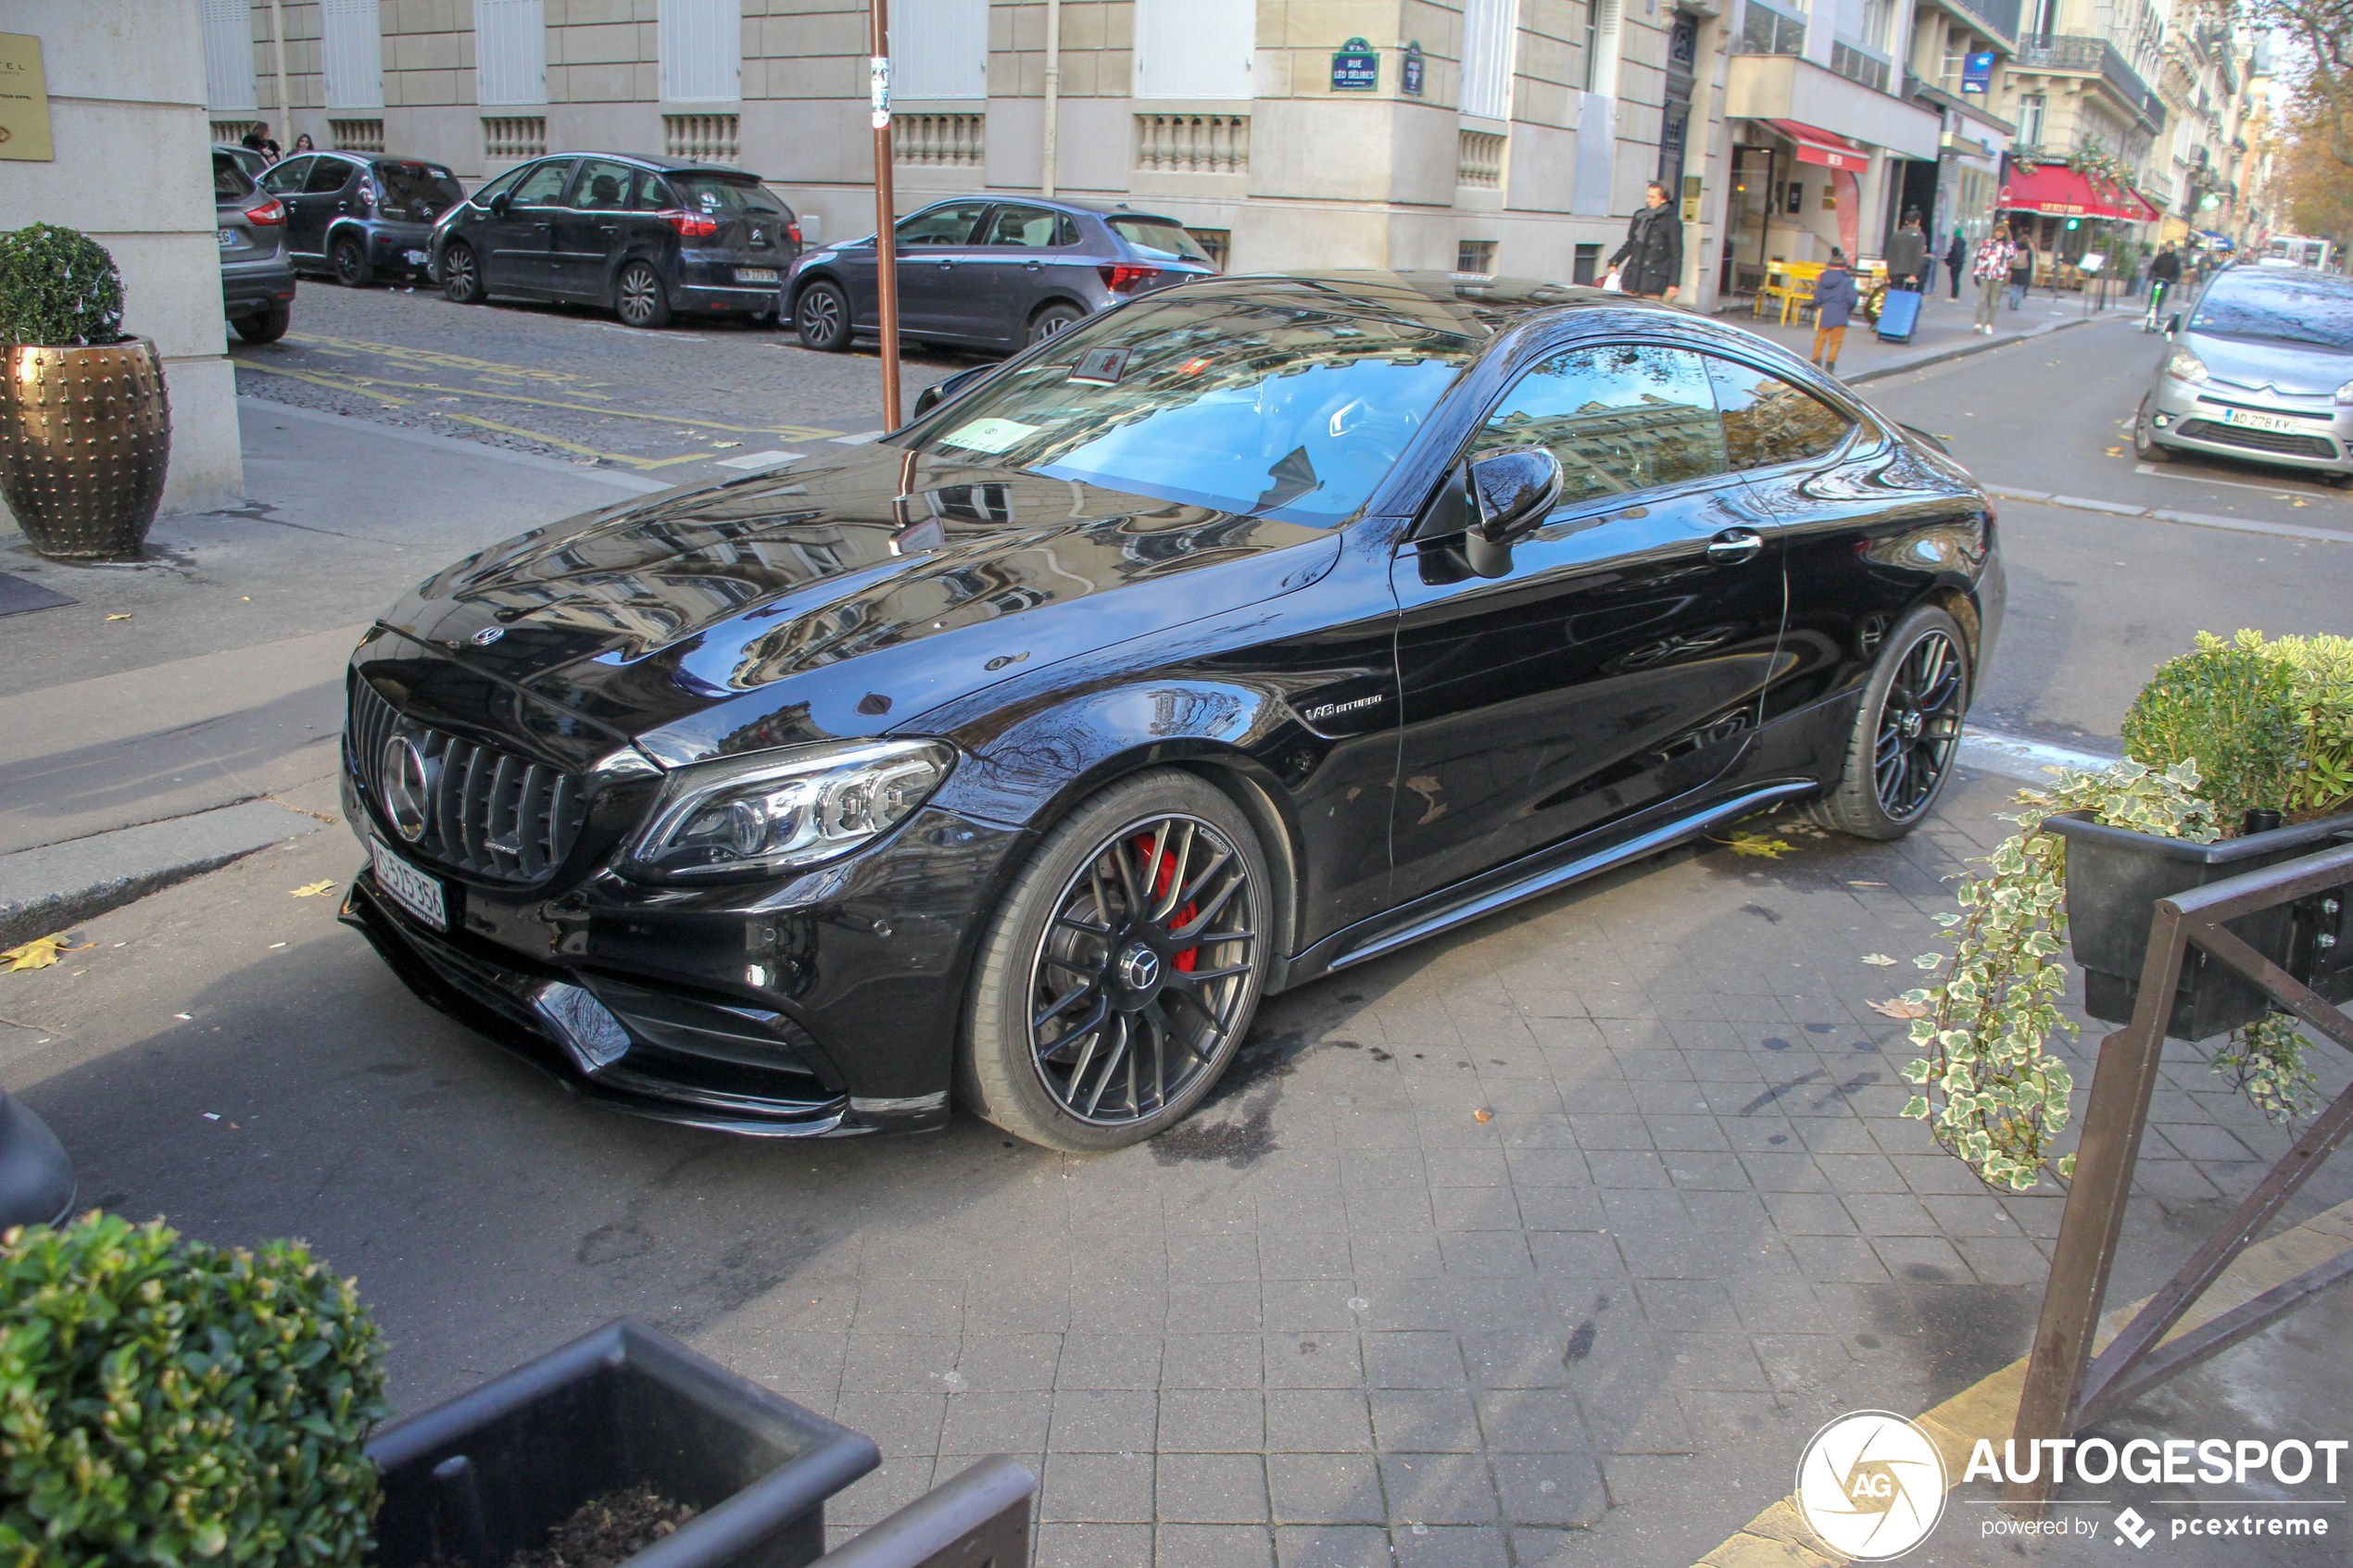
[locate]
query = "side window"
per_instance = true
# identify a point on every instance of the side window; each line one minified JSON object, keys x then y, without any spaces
{"x":652,"y":195}
{"x":948,"y":225}
{"x":1620,"y":418}
{"x":1031,"y":228}
{"x":1065,"y":231}
{"x":1769,"y":421}
{"x":285,"y":179}
{"x":504,"y":183}
{"x":544,"y":186}
{"x":602,"y":187}
{"x":328,"y":175}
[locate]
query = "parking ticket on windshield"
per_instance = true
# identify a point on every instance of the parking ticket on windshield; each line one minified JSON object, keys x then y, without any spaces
{"x":988,"y":436}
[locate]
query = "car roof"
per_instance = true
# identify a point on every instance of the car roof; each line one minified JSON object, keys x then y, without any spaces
{"x":1478,"y":306}
{"x":660,"y":163}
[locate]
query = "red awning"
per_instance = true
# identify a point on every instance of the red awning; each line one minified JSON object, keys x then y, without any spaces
{"x":1825,"y":147}
{"x":2056,"y":189}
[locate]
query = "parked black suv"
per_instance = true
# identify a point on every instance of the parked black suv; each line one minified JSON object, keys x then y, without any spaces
{"x":1242,"y":634}
{"x":360,"y":217}
{"x":646,"y":236}
{"x":256,"y":276}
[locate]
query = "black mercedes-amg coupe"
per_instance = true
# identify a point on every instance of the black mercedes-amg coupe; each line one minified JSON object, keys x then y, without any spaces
{"x":1245,"y":632}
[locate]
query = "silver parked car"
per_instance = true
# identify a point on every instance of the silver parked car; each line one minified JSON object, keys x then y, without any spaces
{"x":991,"y":274}
{"x":2260,"y":367}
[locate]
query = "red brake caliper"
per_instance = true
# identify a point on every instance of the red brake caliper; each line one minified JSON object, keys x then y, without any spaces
{"x":1160,"y":878}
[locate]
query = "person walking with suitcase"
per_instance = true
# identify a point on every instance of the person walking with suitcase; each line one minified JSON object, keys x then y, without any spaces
{"x":2022,"y":268}
{"x":1992,"y":271}
{"x":1833,"y":307}
{"x":1908,"y":255}
{"x":1654,"y":246}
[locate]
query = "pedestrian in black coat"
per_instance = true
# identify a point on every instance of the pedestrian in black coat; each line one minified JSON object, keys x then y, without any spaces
{"x":1955,"y":257}
{"x":1655,"y":248}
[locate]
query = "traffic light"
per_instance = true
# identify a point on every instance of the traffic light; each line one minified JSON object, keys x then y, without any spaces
{"x":2074,"y":222}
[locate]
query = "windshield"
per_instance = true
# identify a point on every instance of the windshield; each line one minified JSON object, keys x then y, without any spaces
{"x":721,"y":197}
{"x":421,"y":192}
{"x":1251,"y":404}
{"x":1158,"y":238}
{"x":2317,"y":311}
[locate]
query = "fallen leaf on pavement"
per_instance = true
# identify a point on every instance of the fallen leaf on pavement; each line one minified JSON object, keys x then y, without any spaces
{"x":311,"y":890}
{"x":2115,"y":451}
{"x":118,"y":617}
{"x":1483,"y":1114}
{"x":1947,"y":435}
{"x":1879,"y":961}
{"x":1900,"y":1008}
{"x":1758,"y":845}
{"x":39,"y":953}
{"x":726,"y":444}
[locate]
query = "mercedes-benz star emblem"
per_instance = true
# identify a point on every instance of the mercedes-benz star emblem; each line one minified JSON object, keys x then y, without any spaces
{"x":408,"y":788}
{"x":1139,"y":968}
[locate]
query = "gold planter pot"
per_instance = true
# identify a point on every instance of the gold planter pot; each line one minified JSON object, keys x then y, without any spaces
{"x":85,"y":436}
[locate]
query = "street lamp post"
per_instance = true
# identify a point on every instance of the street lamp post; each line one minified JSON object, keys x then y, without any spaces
{"x":886,"y":233}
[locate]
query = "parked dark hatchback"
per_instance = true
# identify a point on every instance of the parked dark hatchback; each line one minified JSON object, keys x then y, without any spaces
{"x":1249,"y":631}
{"x":647,"y":236}
{"x":358,"y":217}
{"x":993,"y":274}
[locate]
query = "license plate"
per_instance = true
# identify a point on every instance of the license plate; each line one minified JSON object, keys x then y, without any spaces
{"x":410,"y":888}
{"x":413,"y":258}
{"x":2249,"y":419}
{"x":228,"y":237}
{"x":755,"y":274}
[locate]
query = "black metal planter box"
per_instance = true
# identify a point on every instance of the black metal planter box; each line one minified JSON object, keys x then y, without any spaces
{"x":2114,"y":876}
{"x":491,"y":1471}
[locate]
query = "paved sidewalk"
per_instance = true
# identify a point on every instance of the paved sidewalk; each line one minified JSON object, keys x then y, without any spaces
{"x":1945,"y":333}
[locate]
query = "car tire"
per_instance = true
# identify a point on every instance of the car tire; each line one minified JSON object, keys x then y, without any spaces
{"x":2144,"y":448}
{"x":1054,"y":320}
{"x":1907,"y":729}
{"x":1077,"y":973}
{"x":461,"y":276}
{"x":821,"y":317}
{"x":350,"y":263}
{"x":638,"y":297}
{"x":269,"y":326}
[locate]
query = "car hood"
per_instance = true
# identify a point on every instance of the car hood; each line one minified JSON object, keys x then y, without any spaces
{"x":844,"y":595}
{"x":2298,"y":370}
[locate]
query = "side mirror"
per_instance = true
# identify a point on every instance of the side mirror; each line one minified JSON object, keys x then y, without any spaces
{"x":499,"y":205}
{"x":1510,"y":493}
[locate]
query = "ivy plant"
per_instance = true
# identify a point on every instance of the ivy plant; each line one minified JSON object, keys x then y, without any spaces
{"x":167,"y":1402}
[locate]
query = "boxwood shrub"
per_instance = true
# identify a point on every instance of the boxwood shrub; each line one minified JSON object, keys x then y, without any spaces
{"x":58,"y":289}
{"x":163,"y":1401}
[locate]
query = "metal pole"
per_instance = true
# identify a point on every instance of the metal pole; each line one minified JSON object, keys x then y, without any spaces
{"x":886,"y":233}
{"x":1052,"y":154}
{"x":278,"y":46}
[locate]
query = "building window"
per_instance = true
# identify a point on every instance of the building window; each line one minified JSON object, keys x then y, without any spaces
{"x":1474,"y":257}
{"x":1490,"y":40}
{"x":939,"y":49}
{"x":1217,"y":242}
{"x":227,"y":54}
{"x":1195,"y":49}
{"x":352,"y":49}
{"x":1765,"y":31}
{"x":1592,"y":43}
{"x":2030,"y":120}
{"x":510,"y":52}
{"x":1588,"y":264}
{"x":703,"y":43}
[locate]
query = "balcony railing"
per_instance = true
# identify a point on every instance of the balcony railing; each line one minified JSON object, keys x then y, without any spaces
{"x":1192,"y":144}
{"x":1479,"y":159}
{"x":1765,"y":31}
{"x":1856,"y":66}
{"x":946,"y":141}
{"x":2091,"y":56}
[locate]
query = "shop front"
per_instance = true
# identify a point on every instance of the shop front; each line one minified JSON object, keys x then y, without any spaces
{"x":2080,"y":227}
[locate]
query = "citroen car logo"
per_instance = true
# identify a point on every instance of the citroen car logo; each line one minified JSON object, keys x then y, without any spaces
{"x":1139,"y":968}
{"x":408,"y":788}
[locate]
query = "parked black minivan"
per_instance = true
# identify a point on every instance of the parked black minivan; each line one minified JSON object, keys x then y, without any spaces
{"x":359,"y":215}
{"x":646,"y":236}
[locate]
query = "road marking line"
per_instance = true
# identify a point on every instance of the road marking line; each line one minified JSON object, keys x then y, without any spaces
{"x":445,"y":361}
{"x":861,"y":439}
{"x":2155,"y":472}
{"x":2192,"y":520}
{"x":2015,"y":757}
{"x":757,"y":460}
{"x":458,"y":445}
{"x":540,"y":436}
{"x":634,"y":331}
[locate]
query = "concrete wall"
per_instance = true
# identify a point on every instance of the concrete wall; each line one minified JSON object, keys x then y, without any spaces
{"x":134,"y":170}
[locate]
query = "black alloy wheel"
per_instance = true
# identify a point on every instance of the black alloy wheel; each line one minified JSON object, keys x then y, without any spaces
{"x":1907,"y":729}
{"x":461,"y":275}
{"x":822,"y":317}
{"x":351,"y":265}
{"x":639,"y":299}
{"x":1122,"y":970}
{"x":1054,"y":320}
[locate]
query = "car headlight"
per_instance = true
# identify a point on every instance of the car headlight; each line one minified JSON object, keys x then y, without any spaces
{"x":781,"y":810}
{"x":2182,"y":365}
{"x":2344,"y":393}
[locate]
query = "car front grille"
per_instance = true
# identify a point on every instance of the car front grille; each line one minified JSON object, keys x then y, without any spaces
{"x":2280,"y":442}
{"x":487,"y":813}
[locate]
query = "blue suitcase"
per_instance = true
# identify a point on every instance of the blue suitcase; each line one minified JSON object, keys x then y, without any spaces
{"x":1898,"y":314}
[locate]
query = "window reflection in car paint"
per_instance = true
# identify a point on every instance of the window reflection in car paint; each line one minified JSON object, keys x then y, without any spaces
{"x":1288,"y":411}
{"x":2314,"y":312}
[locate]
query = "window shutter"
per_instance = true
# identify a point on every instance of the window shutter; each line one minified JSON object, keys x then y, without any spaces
{"x":510,"y":52}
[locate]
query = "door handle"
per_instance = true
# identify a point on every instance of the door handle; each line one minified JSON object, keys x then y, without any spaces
{"x":1032,"y":266}
{"x":1735,"y":545}
{"x":947,"y":266}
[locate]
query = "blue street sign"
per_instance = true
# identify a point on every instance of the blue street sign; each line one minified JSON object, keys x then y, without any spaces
{"x":1409,"y":75}
{"x":1356,"y":68}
